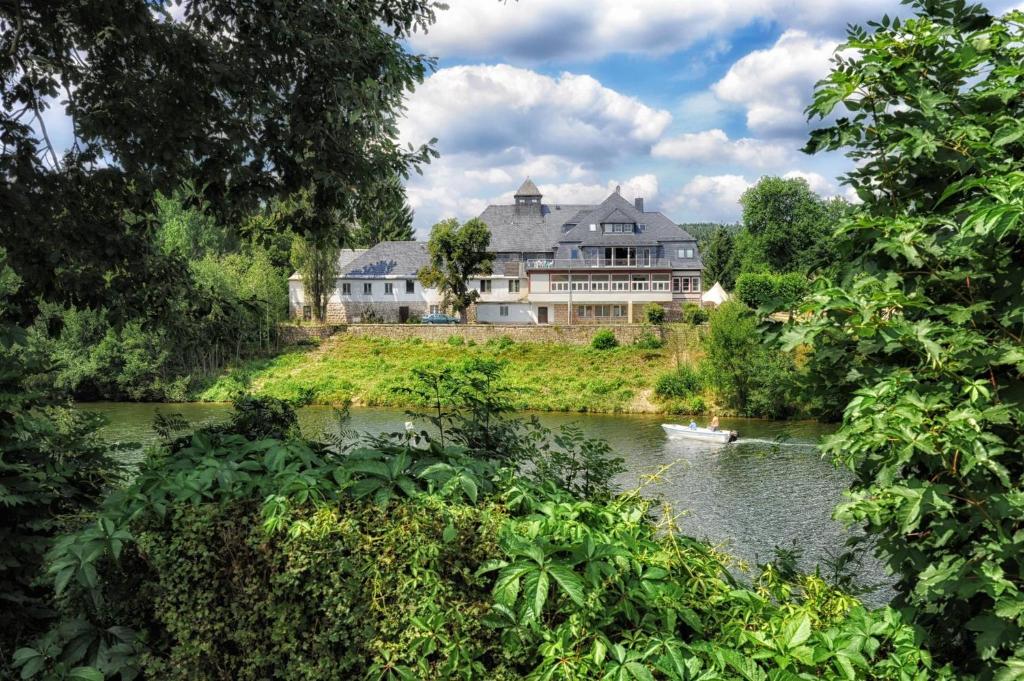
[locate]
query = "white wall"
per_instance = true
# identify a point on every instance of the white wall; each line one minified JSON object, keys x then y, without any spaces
{"x":518,"y":313}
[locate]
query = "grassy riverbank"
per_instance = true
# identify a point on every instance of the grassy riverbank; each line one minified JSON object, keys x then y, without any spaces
{"x":545,"y":376}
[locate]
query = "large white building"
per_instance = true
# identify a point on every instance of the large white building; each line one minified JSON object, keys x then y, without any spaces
{"x":604,"y":263}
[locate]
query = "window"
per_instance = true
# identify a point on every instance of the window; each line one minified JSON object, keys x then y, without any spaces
{"x":410,"y":286}
{"x":684,"y":253}
{"x":307,"y":313}
{"x":485,"y":286}
{"x":695,"y":284}
{"x":346,"y":289}
{"x":618,"y":310}
{"x":620,"y":282}
{"x":583,"y":311}
{"x":513,"y":286}
{"x":593,"y":228}
{"x":367,"y":289}
{"x":574,"y":254}
{"x":559,"y":282}
{"x":599,"y":282}
{"x":659,"y":282}
{"x":642,"y":227}
{"x":389,"y":289}
{"x":503,"y":310}
{"x":435,"y":309}
{"x":686,"y":285}
{"x":641,"y":282}
{"x":676,"y":284}
{"x":602,"y":310}
{"x":580,"y":283}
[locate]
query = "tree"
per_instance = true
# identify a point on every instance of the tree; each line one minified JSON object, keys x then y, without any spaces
{"x":189,"y":232}
{"x":456,"y":254}
{"x":384,"y":215}
{"x":317,"y":263}
{"x":304,"y":98}
{"x":787,"y":226}
{"x":719,"y":257}
{"x":923,"y":323}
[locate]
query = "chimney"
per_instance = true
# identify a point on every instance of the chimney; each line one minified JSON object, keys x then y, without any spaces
{"x":638,"y":203}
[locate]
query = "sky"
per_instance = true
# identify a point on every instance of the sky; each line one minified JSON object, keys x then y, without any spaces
{"x":683,"y":102}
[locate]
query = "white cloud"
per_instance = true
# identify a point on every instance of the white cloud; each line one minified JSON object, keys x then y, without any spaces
{"x":817,"y":182}
{"x":715,"y":147}
{"x":712,"y":198}
{"x":487,"y":108}
{"x":538,"y":30}
{"x":775,"y":85}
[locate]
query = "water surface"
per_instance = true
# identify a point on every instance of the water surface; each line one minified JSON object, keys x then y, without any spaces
{"x":772,"y":488}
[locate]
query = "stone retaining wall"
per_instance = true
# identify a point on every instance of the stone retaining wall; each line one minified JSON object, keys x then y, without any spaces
{"x":481,"y":333}
{"x":289,"y":334}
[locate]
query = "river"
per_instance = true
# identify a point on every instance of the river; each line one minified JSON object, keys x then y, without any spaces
{"x":771,"y":488}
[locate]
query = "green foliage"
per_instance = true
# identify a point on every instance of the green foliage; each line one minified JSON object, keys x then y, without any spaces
{"x":604,"y":339}
{"x":787,"y":227}
{"x":719,"y":257}
{"x":681,"y":383}
{"x":316,"y":261}
{"x":748,"y":375}
{"x":648,"y":340}
{"x":457,"y":253}
{"x":52,"y":468}
{"x":694,"y":314}
{"x":190,"y":233}
{"x":772,"y":292}
{"x":654,"y":314}
{"x":383,"y":215}
{"x":404,"y":559}
{"x":924,"y":323}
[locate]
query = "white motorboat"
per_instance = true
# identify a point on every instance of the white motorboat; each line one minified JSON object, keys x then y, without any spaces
{"x":701,"y":434}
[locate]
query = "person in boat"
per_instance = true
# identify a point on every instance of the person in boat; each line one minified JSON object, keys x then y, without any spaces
{"x":714,"y":424}
{"x":693,"y":425}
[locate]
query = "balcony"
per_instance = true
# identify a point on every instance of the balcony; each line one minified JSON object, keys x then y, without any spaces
{"x":600,"y":263}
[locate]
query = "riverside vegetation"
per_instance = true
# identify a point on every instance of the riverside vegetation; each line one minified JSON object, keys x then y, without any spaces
{"x":728,"y":368}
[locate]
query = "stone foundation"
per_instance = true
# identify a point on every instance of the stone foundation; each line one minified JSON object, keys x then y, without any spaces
{"x":481,"y":333}
{"x":385,"y":312}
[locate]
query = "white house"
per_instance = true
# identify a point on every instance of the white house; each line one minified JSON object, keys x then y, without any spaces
{"x":600,"y":263}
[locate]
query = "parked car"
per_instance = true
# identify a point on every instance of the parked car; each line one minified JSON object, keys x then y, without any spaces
{"x":439,"y":318}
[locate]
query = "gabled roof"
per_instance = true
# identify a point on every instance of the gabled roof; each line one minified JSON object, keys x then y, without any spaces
{"x":513,"y":232}
{"x":528,"y":188}
{"x":618,"y":216}
{"x":389,"y":259}
{"x":345,"y":256}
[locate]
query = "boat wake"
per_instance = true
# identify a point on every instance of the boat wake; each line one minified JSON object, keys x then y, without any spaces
{"x":775,"y":443}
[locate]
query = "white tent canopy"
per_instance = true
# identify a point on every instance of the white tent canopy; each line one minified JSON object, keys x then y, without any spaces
{"x":716,"y":295}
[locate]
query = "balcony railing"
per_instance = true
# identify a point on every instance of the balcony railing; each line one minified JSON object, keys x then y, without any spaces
{"x":599,"y":263}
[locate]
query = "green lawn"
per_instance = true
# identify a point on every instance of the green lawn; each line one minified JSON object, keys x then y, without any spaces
{"x":371,"y":372}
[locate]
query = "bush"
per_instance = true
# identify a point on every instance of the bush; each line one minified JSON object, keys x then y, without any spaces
{"x":604,"y":340}
{"x":648,"y":341}
{"x":773,"y":291}
{"x":655,"y":314}
{"x":682,"y":382}
{"x":694,"y":314}
{"x":500,"y":343}
{"x":456,"y":341}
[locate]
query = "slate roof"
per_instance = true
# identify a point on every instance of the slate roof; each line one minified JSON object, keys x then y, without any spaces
{"x":518,"y":231}
{"x":528,"y":188}
{"x":387,"y":260}
{"x":346,"y":256}
{"x":531,"y":231}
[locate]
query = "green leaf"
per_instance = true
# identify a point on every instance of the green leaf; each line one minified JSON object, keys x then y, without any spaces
{"x":535,"y":589}
{"x":570,"y":582}
{"x":85,"y":674}
{"x":797,"y":631}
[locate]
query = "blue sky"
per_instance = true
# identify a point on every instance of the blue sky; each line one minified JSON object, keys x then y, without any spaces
{"x":683,"y":102}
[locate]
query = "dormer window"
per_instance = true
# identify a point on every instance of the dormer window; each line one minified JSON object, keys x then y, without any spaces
{"x":618,"y":227}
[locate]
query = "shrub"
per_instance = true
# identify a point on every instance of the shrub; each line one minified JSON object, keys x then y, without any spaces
{"x":456,"y":341}
{"x":682,"y":382}
{"x":604,"y":340}
{"x":648,"y":341}
{"x":694,"y":314}
{"x":501,"y":343}
{"x":655,"y":314}
{"x":773,"y":291}
{"x":396,"y":561}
